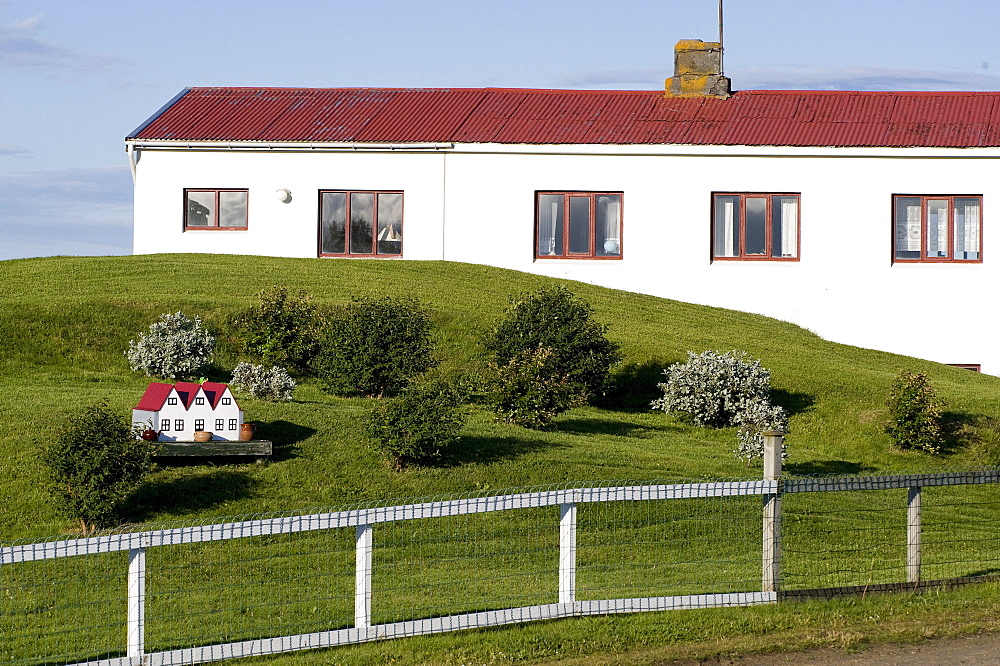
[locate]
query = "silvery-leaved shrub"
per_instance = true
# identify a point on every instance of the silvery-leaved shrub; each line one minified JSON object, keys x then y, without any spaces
{"x":757,"y":418}
{"x":713,"y":388}
{"x":272,"y":383}
{"x":177,"y":346}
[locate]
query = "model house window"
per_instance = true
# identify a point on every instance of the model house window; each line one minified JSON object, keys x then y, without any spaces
{"x":171,"y":401}
{"x":578,"y":225}
{"x":755,"y":226}
{"x":226,"y":401}
{"x":215,"y":209}
{"x":220,"y":424}
{"x":199,"y":424}
{"x":232,"y":424}
{"x":361,"y":224}
{"x":937,"y":228}
{"x":199,"y":401}
{"x":178,"y":424}
{"x":165,"y":426}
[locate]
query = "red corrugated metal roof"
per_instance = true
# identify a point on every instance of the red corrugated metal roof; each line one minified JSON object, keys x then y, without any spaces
{"x":751,"y":118}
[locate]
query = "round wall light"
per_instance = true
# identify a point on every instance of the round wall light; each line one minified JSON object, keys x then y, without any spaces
{"x":284,"y":195}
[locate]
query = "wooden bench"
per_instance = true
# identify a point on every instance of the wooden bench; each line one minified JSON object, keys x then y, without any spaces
{"x":256,"y":447}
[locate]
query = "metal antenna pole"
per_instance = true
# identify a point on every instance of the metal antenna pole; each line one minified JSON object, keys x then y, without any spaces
{"x":722,"y":51}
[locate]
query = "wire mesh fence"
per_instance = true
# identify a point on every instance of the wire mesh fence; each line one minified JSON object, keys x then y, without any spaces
{"x":194,"y":592}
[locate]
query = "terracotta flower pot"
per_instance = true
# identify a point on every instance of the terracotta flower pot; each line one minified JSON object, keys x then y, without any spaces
{"x":202,"y":436}
{"x":246,"y":432}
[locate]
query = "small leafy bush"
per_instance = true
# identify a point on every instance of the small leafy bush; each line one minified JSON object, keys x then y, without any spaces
{"x":529,"y":391}
{"x":176,"y":346}
{"x":414,"y":427}
{"x":374,"y":345}
{"x":283,"y":330}
{"x":757,"y":418}
{"x":713,"y":388}
{"x":272,"y":383}
{"x":553,"y":318}
{"x":93,"y":464}
{"x":916,"y":414}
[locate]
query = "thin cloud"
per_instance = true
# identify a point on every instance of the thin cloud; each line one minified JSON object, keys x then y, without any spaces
{"x":802,"y":77}
{"x":69,"y":211}
{"x":22,"y":50}
{"x":14,"y":151}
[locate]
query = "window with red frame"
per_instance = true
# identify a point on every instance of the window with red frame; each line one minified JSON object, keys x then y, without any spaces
{"x":578,"y":225}
{"x":937,"y":228}
{"x":215,"y":209}
{"x":755,"y":226}
{"x":360,"y":223}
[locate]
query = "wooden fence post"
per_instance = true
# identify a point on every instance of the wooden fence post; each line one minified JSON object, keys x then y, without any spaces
{"x":363,"y":577}
{"x":567,"y":553}
{"x":773,"y":447}
{"x":136,"y":619}
{"x":913,"y":530}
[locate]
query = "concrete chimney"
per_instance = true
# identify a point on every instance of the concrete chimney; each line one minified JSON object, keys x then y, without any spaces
{"x":697,"y":71}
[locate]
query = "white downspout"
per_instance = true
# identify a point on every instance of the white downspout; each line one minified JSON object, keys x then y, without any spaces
{"x":131,"y":152}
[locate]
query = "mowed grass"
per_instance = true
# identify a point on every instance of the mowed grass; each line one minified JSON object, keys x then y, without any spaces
{"x":65,"y":323}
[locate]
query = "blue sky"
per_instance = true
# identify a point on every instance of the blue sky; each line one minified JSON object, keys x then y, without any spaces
{"x":76,"y":76}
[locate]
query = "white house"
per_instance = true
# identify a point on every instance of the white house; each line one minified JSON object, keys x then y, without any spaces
{"x":176,"y":411}
{"x":863,"y":216}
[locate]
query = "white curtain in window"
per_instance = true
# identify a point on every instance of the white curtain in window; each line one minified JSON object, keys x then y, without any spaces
{"x":789,"y":226}
{"x":908,"y":233}
{"x":728,"y":236}
{"x":547,"y":216}
{"x":966,"y":229}
{"x":612,"y":218}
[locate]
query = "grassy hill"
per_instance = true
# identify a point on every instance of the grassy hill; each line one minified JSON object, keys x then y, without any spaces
{"x":65,"y":322}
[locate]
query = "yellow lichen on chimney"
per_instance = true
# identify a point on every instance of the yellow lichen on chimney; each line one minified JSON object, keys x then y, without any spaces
{"x":697,"y":71}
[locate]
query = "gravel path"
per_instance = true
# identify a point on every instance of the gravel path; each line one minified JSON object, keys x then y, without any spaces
{"x":981,"y":650}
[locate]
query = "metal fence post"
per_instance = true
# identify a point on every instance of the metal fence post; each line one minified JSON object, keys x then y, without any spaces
{"x":136,"y":622}
{"x":771,"y":578}
{"x":567,"y":553}
{"x":363,"y":577}
{"x":913,"y":529}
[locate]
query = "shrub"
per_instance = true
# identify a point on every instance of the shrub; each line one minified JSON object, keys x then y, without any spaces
{"x":552,"y":318}
{"x":374,"y":345}
{"x":413,"y":428}
{"x":529,"y":391}
{"x":283,"y":330}
{"x":916,"y":418}
{"x":176,"y":347}
{"x":94,"y":462}
{"x":757,"y":418}
{"x":713,"y":388}
{"x":272,"y":383}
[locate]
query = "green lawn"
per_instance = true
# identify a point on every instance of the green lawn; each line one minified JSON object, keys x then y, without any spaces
{"x":65,"y":323}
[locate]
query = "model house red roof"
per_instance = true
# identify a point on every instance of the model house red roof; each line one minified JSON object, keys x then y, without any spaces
{"x":156,"y":394}
{"x":490,"y":115}
{"x":154,"y":397}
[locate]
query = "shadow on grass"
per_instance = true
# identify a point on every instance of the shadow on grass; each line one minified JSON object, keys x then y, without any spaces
{"x":793,"y":403}
{"x":633,"y":385}
{"x":613,"y":428}
{"x":192,"y":493}
{"x":284,"y":435}
{"x":490,"y":449}
{"x":827,"y":468}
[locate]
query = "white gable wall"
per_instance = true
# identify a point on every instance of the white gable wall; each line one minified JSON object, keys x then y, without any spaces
{"x":844,"y":287}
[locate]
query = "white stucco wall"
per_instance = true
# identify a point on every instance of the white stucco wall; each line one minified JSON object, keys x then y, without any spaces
{"x":844,"y":287}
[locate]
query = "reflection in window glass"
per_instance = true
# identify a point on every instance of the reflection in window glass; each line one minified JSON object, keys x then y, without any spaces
{"x":579,"y":225}
{"x":334,"y":222}
{"x":390,"y":223}
{"x":200,"y":209}
{"x":232,"y":209}
{"x":362,"y":213}
{"x":756,"y":226}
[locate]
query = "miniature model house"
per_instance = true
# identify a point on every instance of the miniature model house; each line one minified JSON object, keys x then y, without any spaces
{"x":176,"y":411}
